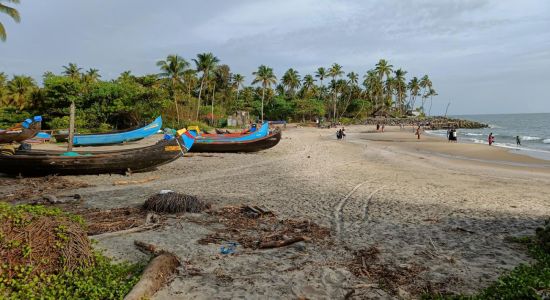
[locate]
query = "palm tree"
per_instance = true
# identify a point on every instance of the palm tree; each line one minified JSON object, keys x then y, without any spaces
{"x":414,"y":88}
{"x":291,"y":79}
{"x":19,"y":90}
{"x":400,"y":88}
{"x":426,"y":85}
{"x":72,"y":71}
{"x":373,"y":86}
{"x":383,"y":68}
{"x":353,"y":78}
{"x":10,"y":11}
{"x":238,"y":81}
{"x":173,"y":68}
{"x":431,"y":93}
{"x":334,"y":71}
{"x":205,"y":63}
{"x":265,"y":76}
{"x":308,"y":84}
{"x":92,"y":75}
{"x":321,"y":73}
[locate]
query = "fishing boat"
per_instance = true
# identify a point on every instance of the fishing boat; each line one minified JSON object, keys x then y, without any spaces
{"x":41,"y":162}
{"x":27,"y":130}
{"x":259,"y":140}
{"x":114,"y":137}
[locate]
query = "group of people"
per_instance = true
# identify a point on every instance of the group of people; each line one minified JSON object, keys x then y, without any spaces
{"x":452,"y":135}
{"x":380,"y":127}
{"x":341,"y":133}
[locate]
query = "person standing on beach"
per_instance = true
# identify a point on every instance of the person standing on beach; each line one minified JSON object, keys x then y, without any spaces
{"x":383,"y":125}
{"x":418,"y":132}
{"x":518,"y":141}
{"x":343,"y":133}
{"x":377,"y":126}
{"x":491,"y":139}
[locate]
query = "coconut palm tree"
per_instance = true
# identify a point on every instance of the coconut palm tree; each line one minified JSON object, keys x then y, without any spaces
{"x":19,"y":90}
{"x":205,"y":63}
{"x":10,"y":11}
{"x":92,"y":75}
{"x":265,"y":76}
{"x":238,"y":81}
{"x":426,"y":85}
{"x":308,"y":84}
{"x":291,"y":80}
{"x":173,"y":68}
{"x":383,"y":68}
{"x":374,"y":88}
{"x":414,"y":89}
{"x":334,"y":71}
{"x":431,"y":93}
{"x":400,"y":88}
{"x":321,"y":73}
{"x":72,"y":71}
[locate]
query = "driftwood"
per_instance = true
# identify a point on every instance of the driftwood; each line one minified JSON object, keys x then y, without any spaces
{"x":126,"y":182}
{"x":61,"y":199}
{"x":277,"y":244}
{"x":158,"y":272}
{"x":130,"y":230}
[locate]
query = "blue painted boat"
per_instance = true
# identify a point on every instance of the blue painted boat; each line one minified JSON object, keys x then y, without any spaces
{"x":110,"y":138}
{"x":258,"y":140}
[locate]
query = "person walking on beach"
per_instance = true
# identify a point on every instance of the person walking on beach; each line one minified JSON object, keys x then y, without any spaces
{"x":343,"y":132}
{"x":418,"y":132}
{"x":518,"y":141}
{"x":491,"y":139}
{"x":454,"y":136}
{"x":377,"y":126}
{"x":383,"y":125}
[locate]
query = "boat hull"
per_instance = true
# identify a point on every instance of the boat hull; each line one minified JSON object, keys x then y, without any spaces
{"x":110,"y":138}
{"x":142,"y":159}
{"x":20,"y":135}
{"x":255,"y":145}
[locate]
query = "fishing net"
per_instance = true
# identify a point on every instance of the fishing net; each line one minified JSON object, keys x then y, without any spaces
{"x":172,"y":202}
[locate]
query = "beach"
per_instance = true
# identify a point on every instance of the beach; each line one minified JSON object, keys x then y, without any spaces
{"x":439,"y":214}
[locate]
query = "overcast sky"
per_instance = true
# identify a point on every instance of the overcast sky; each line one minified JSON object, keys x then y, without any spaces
{"x":483,"y":56}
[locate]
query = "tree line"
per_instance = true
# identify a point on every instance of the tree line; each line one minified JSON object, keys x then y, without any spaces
{"x":205,"y":90}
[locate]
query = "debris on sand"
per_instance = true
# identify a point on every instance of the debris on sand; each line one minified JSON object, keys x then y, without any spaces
{"x":394,"y":278}
{"x":33,"y":188}
{"x":49,"y":240}
{"x":261,"y":229}
{"x":112,"y":220}
{"x":172,"y":202}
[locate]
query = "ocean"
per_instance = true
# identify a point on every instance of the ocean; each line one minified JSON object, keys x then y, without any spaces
{"x":533,"y":130}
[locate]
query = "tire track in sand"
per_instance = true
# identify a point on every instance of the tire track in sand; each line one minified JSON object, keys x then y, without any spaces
{"x":339,"y":208}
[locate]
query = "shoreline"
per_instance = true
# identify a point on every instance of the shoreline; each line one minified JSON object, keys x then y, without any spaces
{"x":531,"y":152}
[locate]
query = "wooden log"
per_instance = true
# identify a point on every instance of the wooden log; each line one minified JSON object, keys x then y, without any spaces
{"x":156,"y":275}
{"x":125,"y":231}
{"x":282,"y":243}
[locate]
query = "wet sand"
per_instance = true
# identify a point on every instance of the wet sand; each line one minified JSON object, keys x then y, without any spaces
{"x":445,"y":208}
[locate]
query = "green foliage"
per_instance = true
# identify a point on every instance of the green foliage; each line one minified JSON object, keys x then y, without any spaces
{"x":104,"y":280}
{"x":523,"y":282}
{"x":10,"y":116}
{"x":63,"y":122}
{"x":543,"y":236}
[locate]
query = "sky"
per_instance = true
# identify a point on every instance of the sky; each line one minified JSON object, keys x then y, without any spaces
{"x":483,"y":56}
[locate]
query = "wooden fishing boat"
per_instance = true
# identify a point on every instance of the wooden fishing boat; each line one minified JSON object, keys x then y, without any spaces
{"x":21,"y":134}
{"x":237,"y":145}
{"x":113,"y":137}
{"x":40,"y":162}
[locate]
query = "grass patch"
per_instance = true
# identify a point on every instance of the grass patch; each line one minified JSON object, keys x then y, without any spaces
{"x":526,"y":281}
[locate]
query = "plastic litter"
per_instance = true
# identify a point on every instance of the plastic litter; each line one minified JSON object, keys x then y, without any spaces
{"x":229,"y":248}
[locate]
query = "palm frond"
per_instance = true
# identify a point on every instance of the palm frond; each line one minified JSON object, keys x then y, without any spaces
{"x":12,"y":12}
{"x":3,"y":34}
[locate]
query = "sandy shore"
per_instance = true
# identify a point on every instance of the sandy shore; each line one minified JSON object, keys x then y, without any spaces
{"x":444,"y":209}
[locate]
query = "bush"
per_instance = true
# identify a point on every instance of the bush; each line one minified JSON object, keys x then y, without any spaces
{"x":10,"y":116}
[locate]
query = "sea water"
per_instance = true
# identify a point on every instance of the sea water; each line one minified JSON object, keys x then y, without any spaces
{"x":532,"y":129}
